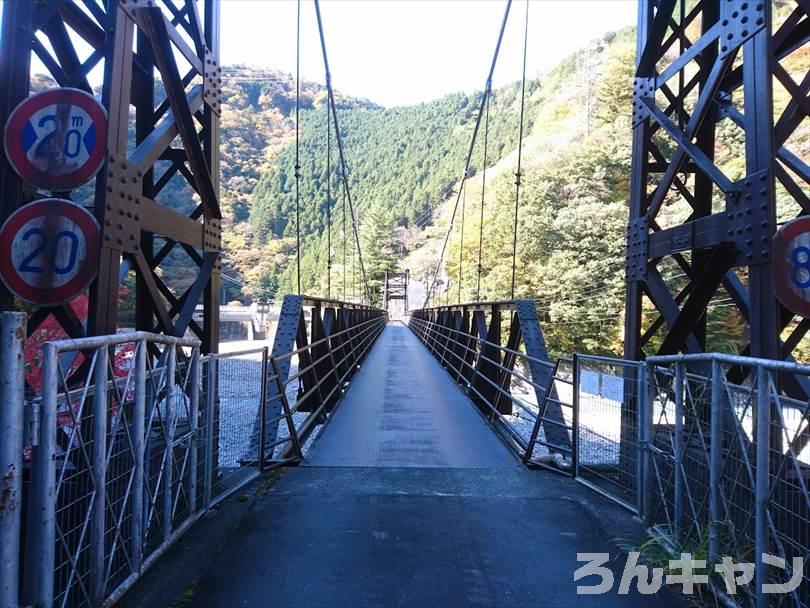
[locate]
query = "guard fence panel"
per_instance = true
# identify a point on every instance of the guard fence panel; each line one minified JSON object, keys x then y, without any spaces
{"x":134,"y":436}
{"x":113,"y":465}
{"x":716,"y":459}
{"x":496,"y":353}
{"x":609,"y":398}
{"x":729,"y":464}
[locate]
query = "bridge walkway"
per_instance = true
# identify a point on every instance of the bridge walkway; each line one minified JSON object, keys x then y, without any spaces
{"x":408,"y":499}
{"x":403,"y":410}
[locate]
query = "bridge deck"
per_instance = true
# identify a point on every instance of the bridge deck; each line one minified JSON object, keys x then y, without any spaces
{"x":432,"y":510}
{"x":403,"y":410}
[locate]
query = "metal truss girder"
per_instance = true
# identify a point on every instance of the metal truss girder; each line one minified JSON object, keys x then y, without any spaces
{"x":535,"y":344}
{"x":470,"y":347}
{"x":325,"y":361}
{"x":123,"y":37}
{"x":701,"y":292}
{"x":737,"y":58}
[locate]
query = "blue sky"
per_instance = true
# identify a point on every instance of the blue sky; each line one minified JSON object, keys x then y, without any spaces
{"x":398,"y":52}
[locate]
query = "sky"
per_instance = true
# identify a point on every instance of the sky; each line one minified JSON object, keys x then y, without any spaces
{"x":401,"y":52}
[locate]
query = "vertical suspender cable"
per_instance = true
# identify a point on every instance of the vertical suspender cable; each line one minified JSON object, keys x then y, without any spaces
{"x":298,"y":145}
{"x":345,"y":268}
{"x":328,"y":203}
{"x":461,"y":247}
{"x":432,"y":283}
{"x":518,"y":173}
{"x":483,"y":192}
{"x":354,"y":273}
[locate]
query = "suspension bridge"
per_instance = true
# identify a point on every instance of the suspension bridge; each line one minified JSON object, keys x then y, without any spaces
{"x":444,"y":459}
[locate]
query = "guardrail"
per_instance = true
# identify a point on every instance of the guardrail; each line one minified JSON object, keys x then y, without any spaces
{"x":114,"y":472}
{"x":718,"y":468}
{"x":525,"y":396}
{"x":125,"y":456}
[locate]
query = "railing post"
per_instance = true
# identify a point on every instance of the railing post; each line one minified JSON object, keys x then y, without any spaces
{"x":715,"y":452}
{"x":194,"y":425}
{"x":41,"y":541}
{"x":139,"y":437}
{"x":210,"y":400}
{"x":575,"y":418}
{"x":12,"y":402}
{"x":263,"y":410}
{"x":168,"y":424}
{"x":679,"y":450}
{"x":641,"y":394}
{"x":761,"y":487}
{"x":99,"y":473}
{"x":285,"y":404}
{"x":648,"y":371}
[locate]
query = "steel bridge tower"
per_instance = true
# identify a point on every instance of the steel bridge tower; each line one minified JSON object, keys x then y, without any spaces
{"x":702,"y":67}
{"x":176,"y":142}
{"x":396,"y":289}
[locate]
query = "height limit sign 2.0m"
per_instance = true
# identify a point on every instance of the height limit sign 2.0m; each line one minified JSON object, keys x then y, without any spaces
{"x":56,"y":140}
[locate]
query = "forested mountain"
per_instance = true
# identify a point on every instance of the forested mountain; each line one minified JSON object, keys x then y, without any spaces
{"x":404,"y":167}
{"x":402,"y":163}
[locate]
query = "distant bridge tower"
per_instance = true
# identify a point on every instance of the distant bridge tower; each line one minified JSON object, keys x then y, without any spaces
{"x":396,"y":288}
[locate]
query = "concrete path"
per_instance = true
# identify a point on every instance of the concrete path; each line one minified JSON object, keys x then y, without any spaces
{"x":402,"y":409}
{"x":410,"y":500}
{"x":421,"y":538}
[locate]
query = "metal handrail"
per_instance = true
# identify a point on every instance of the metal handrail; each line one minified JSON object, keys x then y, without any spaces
{"x":363,"y":341}
{"x":93,"y":342}
{"x":325,"y":339}
{"x":451,"y":344}
{"x":492,"y":361}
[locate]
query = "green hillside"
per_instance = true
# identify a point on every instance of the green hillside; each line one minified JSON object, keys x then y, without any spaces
{"x":403,"y":162}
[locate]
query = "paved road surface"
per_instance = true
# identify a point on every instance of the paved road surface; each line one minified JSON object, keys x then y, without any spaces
{"x":410,"y":500}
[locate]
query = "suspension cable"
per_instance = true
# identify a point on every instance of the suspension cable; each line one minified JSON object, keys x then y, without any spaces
{"x":483,"y":197}
{"x":518,"y":174}
{"x":481,"y":107}
{"x":328,"y":204}
{"x":298,"y":145}
{"x":461,"y":247}
{"x":331,"y":95}
{"x":345,"y":268}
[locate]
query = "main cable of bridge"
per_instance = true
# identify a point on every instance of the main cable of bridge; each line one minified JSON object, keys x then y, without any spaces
{"x":347,"y":192}
{"x":481,"y":108}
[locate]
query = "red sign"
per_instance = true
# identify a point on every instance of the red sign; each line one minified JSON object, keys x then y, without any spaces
{"x":791,"y":256}
{"x":49,"y":251}
{"x":56,"y":140}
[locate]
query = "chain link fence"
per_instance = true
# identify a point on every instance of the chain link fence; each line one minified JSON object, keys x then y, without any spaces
{"x":713,"y":452}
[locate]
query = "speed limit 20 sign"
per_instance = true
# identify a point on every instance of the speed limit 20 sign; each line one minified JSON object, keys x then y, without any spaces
{"x":791,"y":250}
{"x":49,"y":251}
{"x":56,"y":140}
